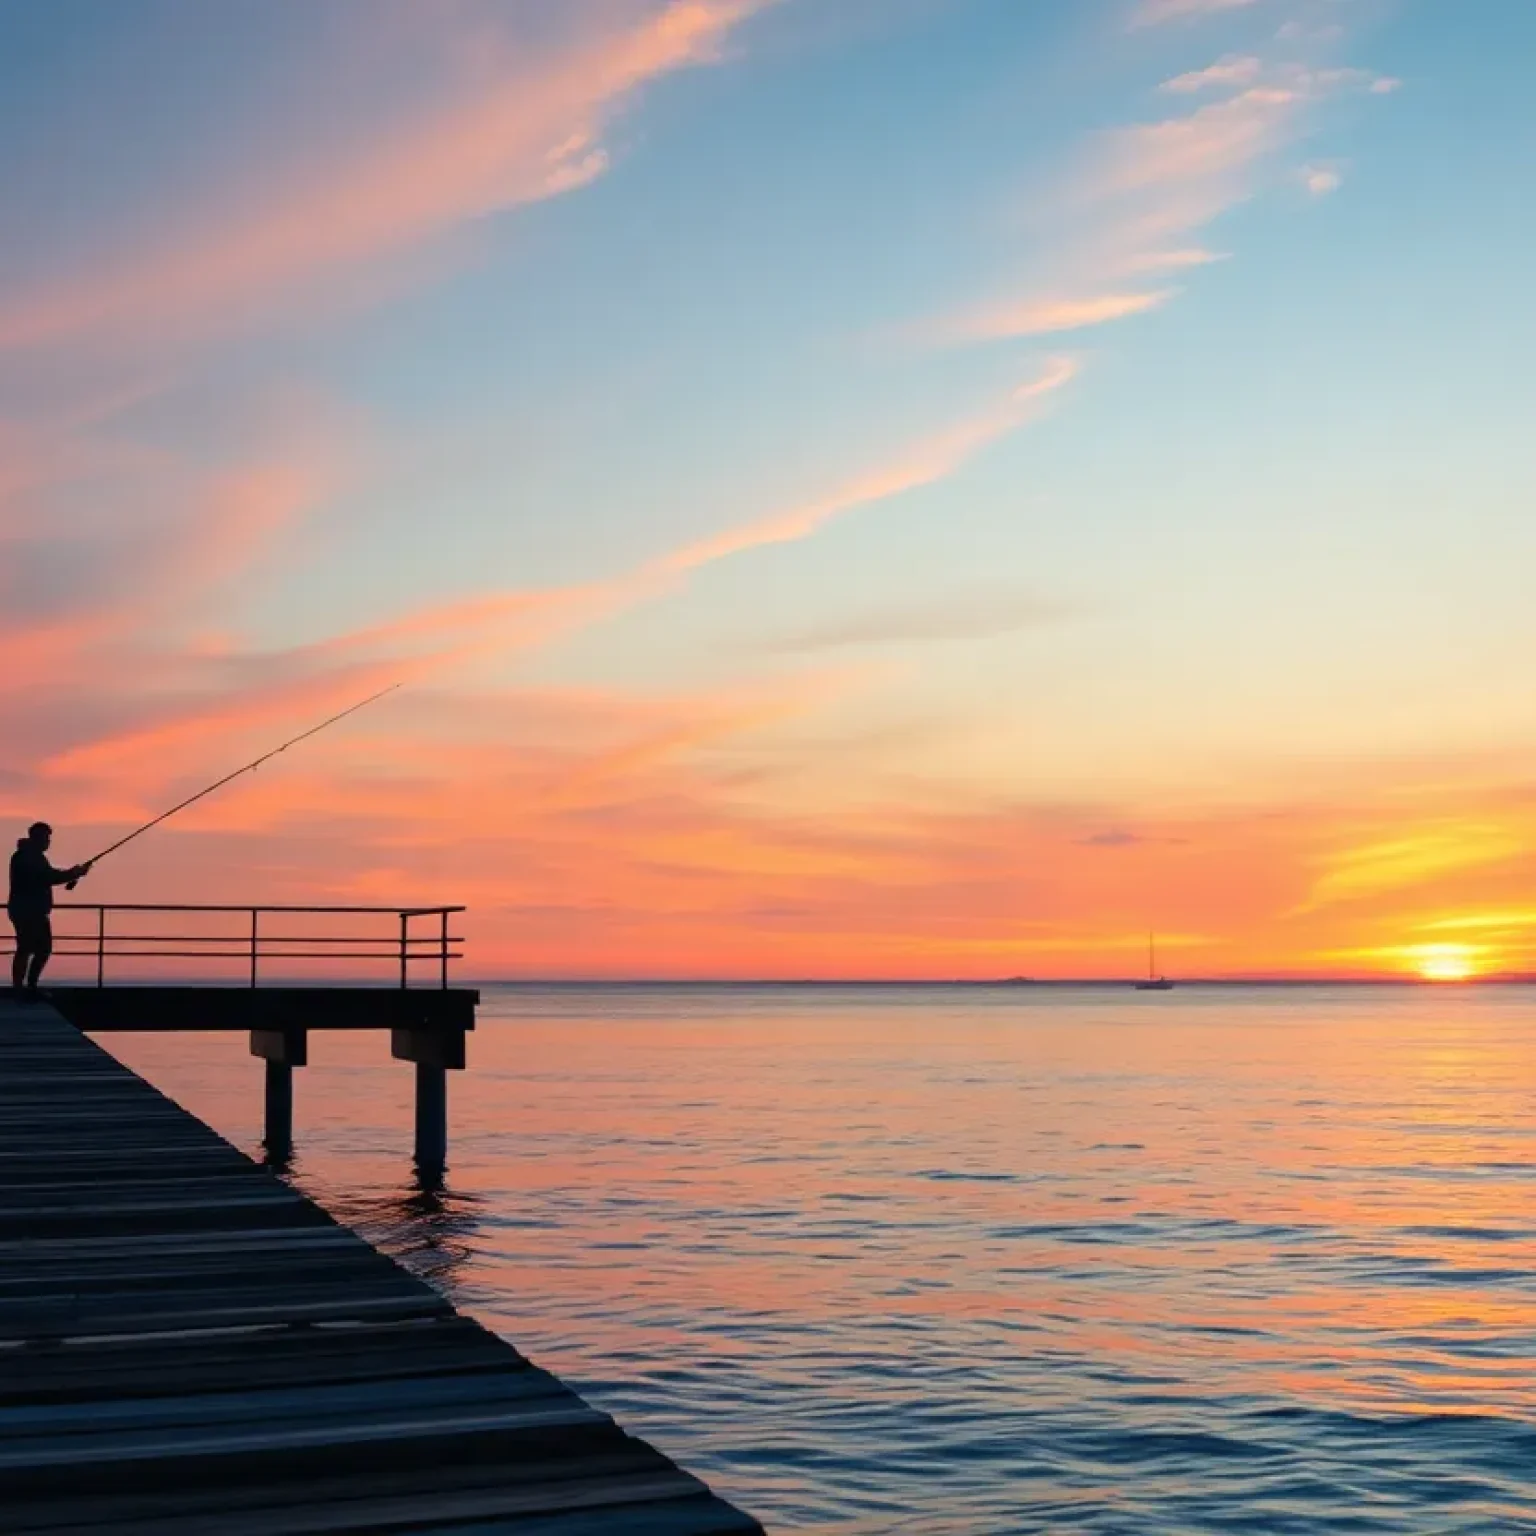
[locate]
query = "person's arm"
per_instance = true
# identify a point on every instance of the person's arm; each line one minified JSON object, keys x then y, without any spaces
{"x":65,"y":876}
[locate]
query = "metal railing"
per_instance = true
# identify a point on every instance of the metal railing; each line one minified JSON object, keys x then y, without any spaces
{"x":252,"y":942}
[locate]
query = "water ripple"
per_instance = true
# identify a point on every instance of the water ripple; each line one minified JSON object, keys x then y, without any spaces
{"x":962,"y":1262}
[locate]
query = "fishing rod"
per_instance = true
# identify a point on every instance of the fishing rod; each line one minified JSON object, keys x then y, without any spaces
{"x":250,"y":767}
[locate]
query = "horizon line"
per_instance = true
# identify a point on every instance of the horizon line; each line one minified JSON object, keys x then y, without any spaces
{"x":1508,"y":979}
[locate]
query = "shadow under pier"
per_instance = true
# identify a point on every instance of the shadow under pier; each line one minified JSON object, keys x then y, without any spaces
{"x":427,"y":1027}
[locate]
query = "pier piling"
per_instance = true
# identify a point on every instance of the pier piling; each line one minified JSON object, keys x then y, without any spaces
{"x":277,"y":1136}
{"x":282,"y":1050}
{"x":431,"y":1118}
{"x":191,"y":1345}
{"x":435,"y":1054}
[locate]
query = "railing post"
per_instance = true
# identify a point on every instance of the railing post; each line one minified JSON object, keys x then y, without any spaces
{"x":405,"y":918}
{"x":101,"y":946}
{"x":445,"y":949}
{"x":253,"y":946}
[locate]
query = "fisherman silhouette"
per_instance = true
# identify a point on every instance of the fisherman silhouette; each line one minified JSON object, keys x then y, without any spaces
{"x":31,"y":905}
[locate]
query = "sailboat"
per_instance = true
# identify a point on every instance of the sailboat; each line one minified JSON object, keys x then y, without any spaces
{"x":1154,"y":982}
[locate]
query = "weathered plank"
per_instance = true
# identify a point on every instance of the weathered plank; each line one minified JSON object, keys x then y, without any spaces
{"x":189,"y":1346}
{"x":391,"y":1499}
{"x":198,"y":1363}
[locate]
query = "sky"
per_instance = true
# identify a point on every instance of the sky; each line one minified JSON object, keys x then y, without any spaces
{"x":848,"y":488}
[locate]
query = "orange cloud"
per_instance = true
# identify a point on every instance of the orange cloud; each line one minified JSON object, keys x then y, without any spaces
{"x":1186,"y":256}
{"x":185,"y":704}
{"x":496,"y":621}
{"x":188,"y":722}
{"x":1507,"y":920}
{"x":530,"y":132}
{"x":924,"y":464}
{"x":89,"y":592}
{"x":611,"y":834}
{"x":1414,"y":858}
{"x":1041,"y":317}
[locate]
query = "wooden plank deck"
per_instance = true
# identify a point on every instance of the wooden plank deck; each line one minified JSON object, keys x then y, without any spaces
{"x":189,"y":1346}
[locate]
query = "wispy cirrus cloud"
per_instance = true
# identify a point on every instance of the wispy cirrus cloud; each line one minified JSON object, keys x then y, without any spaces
{"x":494,"y":623}
{"x":1234,"y":70}
{"x":1501,"y":920}
{"x":1044,"y":317}
{"x":189,"y":703}
{"x":1157,"y":13}
{"x":924,"y":463}
{"x":1140,"y":198}
{"x":1174,"y":260}
{"x":596,"y":829}
{"x":514,"y":126}
{"x":1413,"y":857}
{"x":1320,"y":180}
{"x":94,"y":593}
{"x":479,"y":141}
{"x":1119,"y":837}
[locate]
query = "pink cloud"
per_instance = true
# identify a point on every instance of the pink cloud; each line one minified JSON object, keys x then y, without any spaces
{"x":1234,"y":69}
{"x":1045,"y":316}
{"x":1139,"y":197}
{"x":1320,"y":180}
{"x":529,"y":132}
{"x":925,"y":463}
{"x":1200,"y":156}
{"x":1185,"y":256}
{"x":1156,"y":13}
{"x":89,"y":594}
{"x":188,"y":706}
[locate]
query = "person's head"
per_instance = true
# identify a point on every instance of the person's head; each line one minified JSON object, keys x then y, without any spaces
{"x":40,"y":833}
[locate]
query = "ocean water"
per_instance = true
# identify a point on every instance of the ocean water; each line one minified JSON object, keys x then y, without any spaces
{"x":963,"y":1261}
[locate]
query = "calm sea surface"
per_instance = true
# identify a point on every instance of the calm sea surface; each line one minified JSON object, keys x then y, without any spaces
{"x":955,"y":1261}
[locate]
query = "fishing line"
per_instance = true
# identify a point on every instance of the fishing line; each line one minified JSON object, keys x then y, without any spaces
{"x":250,"y":767}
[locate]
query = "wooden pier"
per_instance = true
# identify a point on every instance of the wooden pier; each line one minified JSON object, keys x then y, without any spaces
{"x":427,"y":1025}
{"x":187,"y":1346}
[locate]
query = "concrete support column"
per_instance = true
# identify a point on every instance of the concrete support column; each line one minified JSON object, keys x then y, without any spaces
{"x":278,"y":1135}
{"x":431,"y":1118}
{"x":282,"y":1050}
{"x":435,"y":1053}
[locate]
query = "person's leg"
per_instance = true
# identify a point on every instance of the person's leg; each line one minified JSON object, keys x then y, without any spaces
{"x":20,"y":958}
{"x":42,"y":948}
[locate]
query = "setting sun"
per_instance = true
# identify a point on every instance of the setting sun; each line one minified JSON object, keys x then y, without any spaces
{"x":1446,"y":962}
